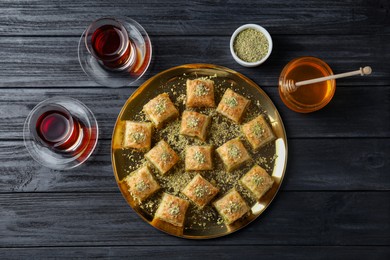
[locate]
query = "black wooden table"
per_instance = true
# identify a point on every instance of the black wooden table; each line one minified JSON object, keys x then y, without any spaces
{"x":335,"y":198}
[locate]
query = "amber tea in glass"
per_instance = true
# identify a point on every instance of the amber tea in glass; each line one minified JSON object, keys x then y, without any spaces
{"x":109,"y":42}
{"x":307,"y":98}
{"x":115,"y":52}
{"x":60,"y":133}
{"x":57,"y":129}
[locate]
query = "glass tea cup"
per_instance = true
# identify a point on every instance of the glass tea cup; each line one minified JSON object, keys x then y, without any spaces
{"x":60,"y":133}
{"x":115,"y":52}
{"x":307,"y":98}
{"x":107,"y":40}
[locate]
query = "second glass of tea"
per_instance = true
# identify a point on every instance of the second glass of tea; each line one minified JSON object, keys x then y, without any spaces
{"x":115,"y":52}
{"x":60,"y":133}
{"x":307,"y":98}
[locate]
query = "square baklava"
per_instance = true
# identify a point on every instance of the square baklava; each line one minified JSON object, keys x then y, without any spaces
{"x":141,"y":184}
{"x":162,"y":156}
{"x":257,"y":181}
{"x":160,"y":110}
{"x":233,"y":154}
{"x":194,"y":124}
{"x":200,"y":93}
{"x":199,"y":158}
{"x":138,"y":135}
{"x":231,"y":206}
{"x":200,"y":191}
{"x":172,"y":209}
{"x":258,"y":132}
{"x":233,"y":105}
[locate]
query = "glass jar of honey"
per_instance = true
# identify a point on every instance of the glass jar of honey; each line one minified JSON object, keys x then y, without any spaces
{"x":307,"y":98}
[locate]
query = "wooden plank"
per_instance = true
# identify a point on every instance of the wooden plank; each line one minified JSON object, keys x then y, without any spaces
{"x":353,"y":112}
{"x":294,"y":218}
{"x":313,"y":164}
{"x":52,"y":62}
{"x":202,"y":251}
{"x":44,"y":17}
{"x":20,"y":173}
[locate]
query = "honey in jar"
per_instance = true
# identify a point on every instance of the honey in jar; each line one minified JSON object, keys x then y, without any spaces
{"x":307,"y":98}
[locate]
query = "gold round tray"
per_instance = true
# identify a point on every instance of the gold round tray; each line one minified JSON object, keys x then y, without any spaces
{"x":205,"y":223}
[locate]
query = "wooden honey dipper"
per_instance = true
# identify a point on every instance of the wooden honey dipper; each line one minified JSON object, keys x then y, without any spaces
{"x":292,"y":86}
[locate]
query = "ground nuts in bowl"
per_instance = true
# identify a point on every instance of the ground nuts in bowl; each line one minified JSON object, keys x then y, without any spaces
{"x":250,"y":45}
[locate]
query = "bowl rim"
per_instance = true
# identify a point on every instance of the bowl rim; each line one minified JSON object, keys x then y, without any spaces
{"x":258,"y":28}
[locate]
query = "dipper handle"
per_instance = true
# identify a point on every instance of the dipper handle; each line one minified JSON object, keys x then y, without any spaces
{"x":292,"y":86}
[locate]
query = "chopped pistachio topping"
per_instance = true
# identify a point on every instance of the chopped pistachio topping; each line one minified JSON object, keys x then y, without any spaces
{"x":234,"y":151}
{"x":257,"y":129}
{"x":139,"y":137}
{"x":166,"y":157}
{"x":251,"y":45}
{"x":201,"y":90}
{"x":233,"y":207}
{"x":192,"y":122}
{"x":231,"y":101}
{"x":161,"y":106}
{"x":201,"y":191}
{"x":174,"y":210}
{"x":199,"y":157}
{"x":220,"y":221}
{"x":141,"y":186}
{"x":258,"y":180}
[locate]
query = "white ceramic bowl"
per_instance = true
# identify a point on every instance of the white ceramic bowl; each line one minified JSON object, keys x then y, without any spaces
{"x":258,"y":28}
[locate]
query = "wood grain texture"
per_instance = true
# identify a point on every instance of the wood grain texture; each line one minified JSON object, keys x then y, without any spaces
{"x":52,"y":61}
{"x":201,"y":251}
{"x":333,"y":203}
{"x":85,"y":219}
{"x":353,"y":112}
{"x":360,"y":164}
{"x":45,"y":17}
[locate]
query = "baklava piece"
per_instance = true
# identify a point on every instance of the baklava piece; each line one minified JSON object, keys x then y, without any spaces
{"x":257,"y":181}
{"x":194,"y":124}
{"x":198,"y":158}
{"x":172,"y":209}
{"x":258,"y":132}
{"x":200,"y":191}
{"x":162,"y":156}
{"x":141,"y":184}
{"x":200,"y":93}
{"x":160,"y":110}
{"x":231,"y":207}
{"x":137,"y":135}
{"x":233,"y":154}
{"x":232,"y":105}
